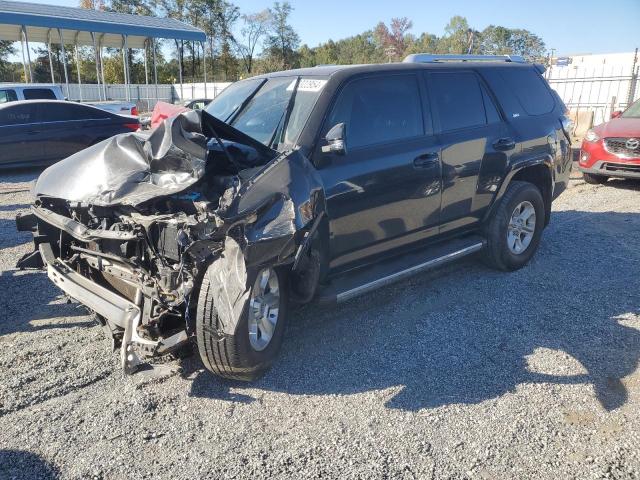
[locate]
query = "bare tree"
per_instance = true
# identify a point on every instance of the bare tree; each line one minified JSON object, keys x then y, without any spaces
{"x":256,"y":26}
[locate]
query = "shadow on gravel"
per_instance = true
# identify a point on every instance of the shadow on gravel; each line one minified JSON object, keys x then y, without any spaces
{"x":14,"y":207}
{"x":10,"y":236}
{"x":26,"y":304}
{"x":463,"y":334}
{"x":18,"y":464}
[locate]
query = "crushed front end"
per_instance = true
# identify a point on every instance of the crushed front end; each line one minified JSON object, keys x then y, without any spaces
{"x":128,"y":227}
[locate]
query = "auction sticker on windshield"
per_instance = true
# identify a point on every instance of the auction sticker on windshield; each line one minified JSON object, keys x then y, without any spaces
{"x":308,"y":85}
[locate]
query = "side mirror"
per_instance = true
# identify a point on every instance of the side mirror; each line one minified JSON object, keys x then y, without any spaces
{"x":336,"y":140}
{"x":616,"y":114}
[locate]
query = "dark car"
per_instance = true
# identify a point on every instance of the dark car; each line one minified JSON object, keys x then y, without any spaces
{"x":317,"y":184}
{"x":41,"y":132}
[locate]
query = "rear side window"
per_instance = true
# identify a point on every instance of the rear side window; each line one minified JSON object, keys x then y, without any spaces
{"x":459,"y":100}
{"x":530,"y":90}
{"x":8,"y":95}
{"x":379,"y":110}
{"x":64,"y":112}
{"x":17,"y":114}
{"x":39,"y":94}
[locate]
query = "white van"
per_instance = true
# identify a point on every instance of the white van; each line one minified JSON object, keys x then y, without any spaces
{"x":12,"y":92}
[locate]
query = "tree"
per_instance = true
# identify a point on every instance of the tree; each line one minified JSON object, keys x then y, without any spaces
{"x":6,"y":49}
{"x":283,"y":41}
{"x":497,"y":40}
{"x":256,"y":26}
{"x":393,"y":40}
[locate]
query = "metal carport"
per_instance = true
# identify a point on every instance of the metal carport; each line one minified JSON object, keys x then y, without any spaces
{"x":24,"y":22}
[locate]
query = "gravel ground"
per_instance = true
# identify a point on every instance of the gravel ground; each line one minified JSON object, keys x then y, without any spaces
{"x":460,"y":373}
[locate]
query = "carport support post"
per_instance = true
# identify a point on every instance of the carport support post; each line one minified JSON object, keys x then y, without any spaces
{"x":24,"y":62}
{"x":104,"y":85}
{"x":180,"y":69}
{"x":64,"y":61}
{"x":78,"y":65}
{"x":53,"y":79}
{"x":97,"y":55}
{"x":204,"y":63}
{"x":125,"y":58}
{"x":146,"y":74}
{"x":26,"y":42}
{"x":155,"y":69}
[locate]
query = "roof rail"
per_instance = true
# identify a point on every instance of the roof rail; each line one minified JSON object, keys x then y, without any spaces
{"x":431,"y":58}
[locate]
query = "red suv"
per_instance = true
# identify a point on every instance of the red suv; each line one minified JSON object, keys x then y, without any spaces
{"x":612,"y":149}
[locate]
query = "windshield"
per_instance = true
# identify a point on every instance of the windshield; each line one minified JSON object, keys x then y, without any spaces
{"x":273,"y":111}
{"x":633,"y":111}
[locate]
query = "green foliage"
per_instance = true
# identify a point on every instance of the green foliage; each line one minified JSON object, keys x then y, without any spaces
{"x":240,"y":45}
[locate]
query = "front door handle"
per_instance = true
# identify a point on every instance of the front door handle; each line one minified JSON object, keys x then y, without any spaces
{"x":428,"y":160}
{"x":504,"y":144}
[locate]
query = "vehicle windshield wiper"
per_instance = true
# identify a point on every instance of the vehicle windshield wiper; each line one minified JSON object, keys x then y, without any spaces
{"x":238,"y":108}
{"x":285,"y":115}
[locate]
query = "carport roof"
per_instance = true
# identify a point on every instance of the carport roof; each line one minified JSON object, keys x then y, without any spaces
{"x":40,"y":19}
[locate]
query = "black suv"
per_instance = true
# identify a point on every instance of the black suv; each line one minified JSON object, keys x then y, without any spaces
{"x":317,"y":184}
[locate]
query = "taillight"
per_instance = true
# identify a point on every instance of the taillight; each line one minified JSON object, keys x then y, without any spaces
{"x":132,"y":126}
{"x":134,"y":111}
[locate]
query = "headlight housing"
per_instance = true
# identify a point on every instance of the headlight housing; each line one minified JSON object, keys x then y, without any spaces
{"x":591,"y":136}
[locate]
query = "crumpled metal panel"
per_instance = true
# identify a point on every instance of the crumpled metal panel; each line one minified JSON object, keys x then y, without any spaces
{"x":131,"y":168}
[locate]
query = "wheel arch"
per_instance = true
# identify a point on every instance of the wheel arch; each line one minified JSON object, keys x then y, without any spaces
{"x":537,"y":171}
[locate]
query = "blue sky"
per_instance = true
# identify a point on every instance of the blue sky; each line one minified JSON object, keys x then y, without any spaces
{"x":568,"y":26}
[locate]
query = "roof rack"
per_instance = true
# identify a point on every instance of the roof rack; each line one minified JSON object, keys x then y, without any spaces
{"x":431,"y":58}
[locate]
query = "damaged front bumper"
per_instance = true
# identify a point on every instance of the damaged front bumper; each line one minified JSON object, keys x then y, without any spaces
{"x":114,"y":308}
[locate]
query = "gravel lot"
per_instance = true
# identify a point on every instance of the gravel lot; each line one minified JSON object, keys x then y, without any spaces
{"x":460,"y":373}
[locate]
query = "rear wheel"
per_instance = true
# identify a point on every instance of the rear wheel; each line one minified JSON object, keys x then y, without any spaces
{"x":249,"y":352}
{"x":514,"y":231}
{"x":592,"y":179}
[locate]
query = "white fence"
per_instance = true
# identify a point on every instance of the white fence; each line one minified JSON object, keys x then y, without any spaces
{"x":598,"y":88}
{"x":145,"y":96}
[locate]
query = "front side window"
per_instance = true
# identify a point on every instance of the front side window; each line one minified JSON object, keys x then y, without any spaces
{"x":379,"y":110}
{"x":39,"y":94}
{"x":458,"y":98}
{"x":8,"y":95}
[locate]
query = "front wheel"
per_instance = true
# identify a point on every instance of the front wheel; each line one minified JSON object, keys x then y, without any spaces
{"x":249,"y":352}
{"x":515,"y":228}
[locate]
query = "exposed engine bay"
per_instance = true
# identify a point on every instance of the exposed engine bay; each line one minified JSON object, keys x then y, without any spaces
{"x":141,"y":216}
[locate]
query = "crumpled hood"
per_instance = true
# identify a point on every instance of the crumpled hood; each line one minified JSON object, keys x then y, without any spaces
{"x":131,"y":168}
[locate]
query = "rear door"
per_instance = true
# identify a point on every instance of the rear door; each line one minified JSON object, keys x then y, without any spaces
{"x":385,"y":191}
{"x":475,"y":145}
{"x":20,"y":134}
{"x":70,"y":127}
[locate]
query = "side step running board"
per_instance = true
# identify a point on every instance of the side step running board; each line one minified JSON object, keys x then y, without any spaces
{"x":366,"y":279}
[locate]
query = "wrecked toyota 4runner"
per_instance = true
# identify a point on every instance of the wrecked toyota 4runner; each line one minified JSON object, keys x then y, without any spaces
{"x":316,"y":184}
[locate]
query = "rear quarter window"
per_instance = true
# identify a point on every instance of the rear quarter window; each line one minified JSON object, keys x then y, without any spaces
{"x":39,"y":94}
{"x":530,"y":90}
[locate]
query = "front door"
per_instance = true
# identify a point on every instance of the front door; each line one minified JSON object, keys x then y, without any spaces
{"x":385,"y":191}
{"x":20,"y":131}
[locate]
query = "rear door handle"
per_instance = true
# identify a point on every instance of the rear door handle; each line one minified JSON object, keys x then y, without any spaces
{"x":428,"y":160}
{"x":504,"y":144}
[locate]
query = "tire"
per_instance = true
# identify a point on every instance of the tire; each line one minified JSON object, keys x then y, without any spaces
{"x":499,"y":254}
{"x":592,"y":179}
{"x":235,"y":356}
